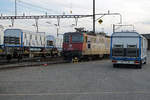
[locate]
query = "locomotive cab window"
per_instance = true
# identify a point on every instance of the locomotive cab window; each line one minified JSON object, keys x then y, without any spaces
{"x":77,"y":38}
{"x":66,"y":38}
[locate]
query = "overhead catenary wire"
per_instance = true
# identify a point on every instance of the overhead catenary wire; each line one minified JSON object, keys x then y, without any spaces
{"x":36,"y":7}
{"x":27,"y":9}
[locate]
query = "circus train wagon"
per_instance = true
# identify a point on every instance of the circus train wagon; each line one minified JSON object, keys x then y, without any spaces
{"x":83,"y":45}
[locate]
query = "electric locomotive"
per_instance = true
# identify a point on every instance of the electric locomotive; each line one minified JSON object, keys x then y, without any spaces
{"x":85,"y":45}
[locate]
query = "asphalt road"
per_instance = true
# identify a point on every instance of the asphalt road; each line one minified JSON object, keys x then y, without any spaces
{"x":95,"y":80}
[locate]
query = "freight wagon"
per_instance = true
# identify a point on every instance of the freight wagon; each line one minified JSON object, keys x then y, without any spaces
{"x":51,"y":45}
{"x":85,"y":45}
{"x":128,"y":48}
{"x":20,"y":43}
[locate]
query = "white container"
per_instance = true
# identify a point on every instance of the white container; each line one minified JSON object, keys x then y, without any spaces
{"x":26,"y":38}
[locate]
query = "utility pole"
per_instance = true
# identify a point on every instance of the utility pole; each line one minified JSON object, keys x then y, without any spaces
{"x":37,"y":25}
{"x":15,"y":7}
{"x":93,"y":16}
{"x":57,"y":31}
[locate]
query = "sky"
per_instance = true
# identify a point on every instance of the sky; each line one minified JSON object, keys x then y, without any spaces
{"x":134,"y":12}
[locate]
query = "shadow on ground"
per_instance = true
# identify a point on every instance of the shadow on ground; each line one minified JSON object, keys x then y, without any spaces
{"x":127,"y":66}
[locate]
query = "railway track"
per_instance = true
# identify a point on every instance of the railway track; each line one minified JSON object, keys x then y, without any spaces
{"x":31,"y":62}
{"x":39,"y":61}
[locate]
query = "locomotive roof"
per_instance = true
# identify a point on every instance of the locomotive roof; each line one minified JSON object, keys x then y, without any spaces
{"x":74,"y":33}
{"x":88,"y":33}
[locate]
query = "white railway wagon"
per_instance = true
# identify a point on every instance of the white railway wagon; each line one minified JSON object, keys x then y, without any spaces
{"x":128,"y":48}
{"x":18,"y":42}
{"x":22,"y":38}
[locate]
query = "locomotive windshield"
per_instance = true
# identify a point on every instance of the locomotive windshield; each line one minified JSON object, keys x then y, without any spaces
{"x":74,"y":38}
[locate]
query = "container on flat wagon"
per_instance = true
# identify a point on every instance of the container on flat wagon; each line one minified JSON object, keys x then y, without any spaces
{"x":22,"y":38}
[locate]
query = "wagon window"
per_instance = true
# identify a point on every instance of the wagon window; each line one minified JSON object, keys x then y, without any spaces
{"x":89,"y":45}
{"x":118,"y":46}
{"x":131,"y":46}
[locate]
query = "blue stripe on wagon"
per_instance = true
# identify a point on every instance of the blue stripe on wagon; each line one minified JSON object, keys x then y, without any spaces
{"x":21,"y":39}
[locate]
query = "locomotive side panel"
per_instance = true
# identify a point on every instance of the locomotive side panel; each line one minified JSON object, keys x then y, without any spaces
{"x":83,"y":45}
{"x":97,"y":45}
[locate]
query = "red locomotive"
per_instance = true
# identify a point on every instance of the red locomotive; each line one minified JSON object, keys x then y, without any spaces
{"x":85,"y":45}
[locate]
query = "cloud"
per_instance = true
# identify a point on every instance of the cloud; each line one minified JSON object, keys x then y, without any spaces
{"x":133,"y":12}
